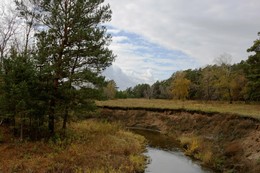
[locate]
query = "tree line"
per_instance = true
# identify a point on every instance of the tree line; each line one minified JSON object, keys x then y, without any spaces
{"x":52,"y":56}
{"x":221,"y":81}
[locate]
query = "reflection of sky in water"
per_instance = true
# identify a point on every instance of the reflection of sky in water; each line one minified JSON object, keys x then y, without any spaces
{"x":170,"y":162}
{"x":165,"y":157}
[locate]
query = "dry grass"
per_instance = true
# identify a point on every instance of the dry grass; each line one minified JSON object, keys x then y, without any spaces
{"x":251,"y":110}
{"x":91,"y":146}
{"x":197,"y":147}
{"x":191,"y":144}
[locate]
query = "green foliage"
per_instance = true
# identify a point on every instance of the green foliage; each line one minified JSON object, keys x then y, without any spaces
{"x":70,"y":54}
{"x":195,"y":77}
{"x":18,"y":101}
{"x":253,"y":71}
{"x":221,"y":81}
{"x":121,"y":94}
{"x":142,"y":91}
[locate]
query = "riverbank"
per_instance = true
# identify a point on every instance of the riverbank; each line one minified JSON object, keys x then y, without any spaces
{"x":164,"y":154}
{"x":90,"y":146}
{"x":224,"y":142}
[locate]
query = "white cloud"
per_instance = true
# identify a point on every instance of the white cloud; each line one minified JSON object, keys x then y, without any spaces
{"x":143,"y":62}
{"x":119,"y":39}
{"x":184,"y":33}
{"x":113,"y":31}
{"x":202,"y":29}
{"x":122,"y":80}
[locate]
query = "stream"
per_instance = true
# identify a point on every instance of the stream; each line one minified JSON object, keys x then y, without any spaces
{"x":165,"y":157}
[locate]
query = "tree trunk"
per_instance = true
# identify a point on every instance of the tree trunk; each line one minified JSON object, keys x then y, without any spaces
{"x":51,"y":116}
{"x":65,"y":118}
{"x":52,"y":106}
{"x":51,"y":120}
{"x":13,"y":124}
{"x":21,"y":128}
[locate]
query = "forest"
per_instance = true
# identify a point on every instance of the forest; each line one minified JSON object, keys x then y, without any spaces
{"x":220,"y":82}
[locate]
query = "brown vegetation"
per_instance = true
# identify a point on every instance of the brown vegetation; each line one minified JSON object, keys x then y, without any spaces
{"x":225,"y":142}
{"x":90,"y":146}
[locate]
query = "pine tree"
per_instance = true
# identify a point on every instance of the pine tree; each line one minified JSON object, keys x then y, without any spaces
{"x":72,"y":50}
{"x":253,"y":71}
{"x":19,"y":92}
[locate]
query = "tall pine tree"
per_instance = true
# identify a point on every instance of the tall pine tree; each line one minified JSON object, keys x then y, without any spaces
{"x":253,"y":71}
{"x":72,"y":50}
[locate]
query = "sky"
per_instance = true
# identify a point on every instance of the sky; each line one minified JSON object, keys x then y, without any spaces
{"x":152,"y":39}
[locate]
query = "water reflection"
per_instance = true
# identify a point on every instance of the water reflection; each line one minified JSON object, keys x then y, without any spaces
{"x":165,"y":157}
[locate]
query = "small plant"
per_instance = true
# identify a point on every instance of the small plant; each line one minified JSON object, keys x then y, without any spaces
{"x":191,"y":144}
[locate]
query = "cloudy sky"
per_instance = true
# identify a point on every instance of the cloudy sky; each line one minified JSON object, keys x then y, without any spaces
{"x":152,"y":39}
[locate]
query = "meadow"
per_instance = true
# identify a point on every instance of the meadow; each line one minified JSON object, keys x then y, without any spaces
{"x":90,"y":146}
{"x":238,"y":108}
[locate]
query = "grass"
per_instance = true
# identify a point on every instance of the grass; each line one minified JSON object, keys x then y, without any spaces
{"x":90,"y":146}
{"x":251,"y":110}
{"x":197,"y":147}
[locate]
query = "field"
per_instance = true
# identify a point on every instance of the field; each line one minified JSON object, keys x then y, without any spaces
{"x":239,"y":108}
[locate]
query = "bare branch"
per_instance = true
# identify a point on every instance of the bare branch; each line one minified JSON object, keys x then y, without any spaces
{"x":7,"y":29}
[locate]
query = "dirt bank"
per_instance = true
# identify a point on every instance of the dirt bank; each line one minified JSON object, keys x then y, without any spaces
{"x":227,"y":143}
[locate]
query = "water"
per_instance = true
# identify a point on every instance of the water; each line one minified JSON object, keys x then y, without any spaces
{"x":165,"y":157}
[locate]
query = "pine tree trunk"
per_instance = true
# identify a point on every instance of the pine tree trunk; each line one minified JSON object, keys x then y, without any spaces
{"x":65,"y":118}
{"x":52,"y":107}
{"x":21,"y":129}
{"x":13,"y":124}
{"x":51,"y":116}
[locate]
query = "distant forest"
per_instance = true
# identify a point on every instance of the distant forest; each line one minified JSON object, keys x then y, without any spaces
{"x":222,"y":81}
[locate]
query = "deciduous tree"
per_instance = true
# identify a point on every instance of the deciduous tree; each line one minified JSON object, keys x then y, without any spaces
{"x":180,"y":86}
{"x":7,"y":29}
{"x":110,"y":90}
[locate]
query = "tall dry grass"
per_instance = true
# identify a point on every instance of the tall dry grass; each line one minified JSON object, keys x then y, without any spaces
{"x":90,"y":146}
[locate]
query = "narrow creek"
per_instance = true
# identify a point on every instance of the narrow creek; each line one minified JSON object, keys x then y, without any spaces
{"x":165,"y":157}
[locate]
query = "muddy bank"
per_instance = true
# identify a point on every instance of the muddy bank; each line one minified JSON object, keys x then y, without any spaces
{"x":227,"y":143}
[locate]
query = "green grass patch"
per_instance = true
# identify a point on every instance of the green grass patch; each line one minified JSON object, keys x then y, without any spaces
{"x":250,"y":110}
